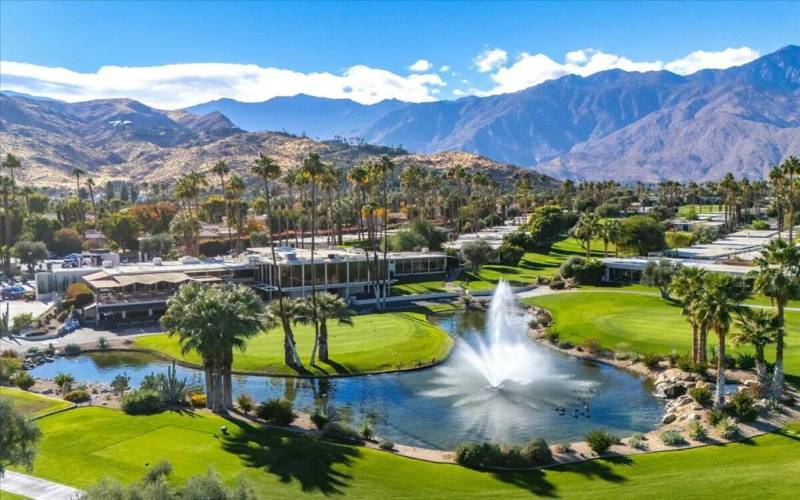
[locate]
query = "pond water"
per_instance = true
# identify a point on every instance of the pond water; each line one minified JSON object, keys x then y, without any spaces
{"x":442,"y":406}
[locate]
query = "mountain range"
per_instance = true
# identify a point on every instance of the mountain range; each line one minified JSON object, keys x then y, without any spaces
{"x":125,"y":139}
{"x":627,"y":126}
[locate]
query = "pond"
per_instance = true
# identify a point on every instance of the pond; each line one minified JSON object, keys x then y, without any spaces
{"x":442,"y":406}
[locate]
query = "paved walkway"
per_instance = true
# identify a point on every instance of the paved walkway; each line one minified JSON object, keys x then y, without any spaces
{"x":38,"y":489}
{"x":83,"y":336}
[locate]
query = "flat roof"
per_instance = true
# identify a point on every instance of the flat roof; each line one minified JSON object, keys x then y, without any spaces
{"x":639,"y":263}
{"x":288,"y":255}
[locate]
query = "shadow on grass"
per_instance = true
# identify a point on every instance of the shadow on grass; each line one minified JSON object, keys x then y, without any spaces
{"x":292,"y":457}
{"x":597,"y":469}
{"x":533,"y":481}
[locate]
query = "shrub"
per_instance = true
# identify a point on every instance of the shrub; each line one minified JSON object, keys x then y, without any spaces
{"x":120,"y":384}
{"x":160,"y":470}
{"x":728,"y":428}
{"x":537,"y":452}
{"x":564,"y":447}
{"x":743,"y":405}
{"x":760,"y":225}
{"x":697,"y":432}
{"x":21,"y":321}
{"x":746,"y":361}
{"x":246,"y":403}
{"x":673,"y":358}
{"x":552,"y":336}
{"x":366,"y":430}
{"x":557,"y":285}
{"x":141,"y":402}
{"x":276,"y":411}
{"x":479,"y":455}
{"x":637,"y":441}
{"x":319,"y":419}
{"x":386,"y":444}
{"x":591,"y":346}
{"x":341,"y":431}
{"x":600,"y":441}
{"x":198,"y":400}
{"x":510,"y":255}
{"x":102,"y":344}
{"x":78,"y":396}
{"x":587,"y":271}
{"x":79,"y":295}
{"x":651,"y":361}
{"x":672,"y":438}
{"x":24,"y":380}
{"x":64,"y":381}
{"x":72,"y":350}
{"x":701,"y":394}
{"x":715,"y":416}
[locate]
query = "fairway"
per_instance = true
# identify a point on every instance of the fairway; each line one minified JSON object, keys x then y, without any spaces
{"x":82,"y":445}
{"x":31,"y":403}
{"x":640,"y":323}
{"x":375,"y":343}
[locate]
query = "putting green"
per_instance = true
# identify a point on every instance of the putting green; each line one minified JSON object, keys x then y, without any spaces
{"x":375,"y":343}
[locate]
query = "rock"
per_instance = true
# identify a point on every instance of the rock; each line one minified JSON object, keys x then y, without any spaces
{"x":47,"y":391}
{"x":675,"y":390}
{"x":668,"y":418}
{"x":684,"y":400}
{"x":750,"y":383}
{"x":695,"y":416}
{"x":697,"y":408}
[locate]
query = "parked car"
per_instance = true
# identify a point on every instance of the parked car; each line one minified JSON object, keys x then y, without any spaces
{"x":69,"y":326}
{"x":12,"y":292}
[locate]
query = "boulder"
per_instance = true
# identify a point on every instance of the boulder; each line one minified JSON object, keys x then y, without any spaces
{"x":668,"y":418}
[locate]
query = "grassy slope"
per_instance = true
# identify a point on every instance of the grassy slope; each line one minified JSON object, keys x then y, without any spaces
{"x":84,"y":444}
{"x":639,"y":323}
{"x":375,"y":343}
{"x":32,"y":404}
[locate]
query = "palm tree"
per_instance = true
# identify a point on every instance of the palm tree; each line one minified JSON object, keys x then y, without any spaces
{"x":778,"y":190}
{"x":758,"y":328}
{"x":188,"y":188}
{"x":237,"y":213}
{"x":77,"y":172}
{"x":329,"y":307}
{"x":90,"y":184}
{"x":313,"y":170}
{"x":610,"y":232}
{"x":11,"y":163}
{"x":359,"y":178}
{"x":719,"y":303}
{"x":213,"y":320}
{"x":688,"y":285}
{"x":185,"y":226}
{"x":791,"y":168}
{"x":268,"y":170}
{"x":778,"y":277}
{"x":221,"y":169}
{"x":586,"y":229}
{"x":381,"y":170}
{"x":6,"y":191}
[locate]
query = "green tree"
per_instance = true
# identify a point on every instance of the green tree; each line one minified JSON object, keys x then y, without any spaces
{"x":659,"y":275}
{"x":758,"y":328}
{"x":221,"y":169}
{"x":687,"y":284}
{"x":66,"y":241}
{"x":213,"y":320}
{"x":477,"y":253}
{"x":121,"y":229}
{"x":641,"y":234}
{"x":312,"y":171}
{"x":329,"y":307}
{"x":585,"y":230}
{"x":30,"y":253}
{"x":185,"y":227}
{"x":77,"y":172}
{"x":778,"y":277}
{"x":610,"y":232}
{"x":18,"y":437}
{"x":157,"y":245}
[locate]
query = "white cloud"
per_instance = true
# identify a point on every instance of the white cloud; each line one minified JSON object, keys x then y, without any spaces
{"x":444,"y":69}
{"x":459,"y":93}
{"x":700,"y":59}
{"x":421,"y":66}
{"x":532,"y":69}
{"x":490,"y":59}
{"x":180,"y":85}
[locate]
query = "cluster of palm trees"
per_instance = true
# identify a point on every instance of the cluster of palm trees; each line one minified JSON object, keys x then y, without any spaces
{"x":714,"y":302}
{"x":590,"y":226}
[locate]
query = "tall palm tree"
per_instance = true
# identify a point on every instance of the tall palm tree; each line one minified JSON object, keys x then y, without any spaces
{"x":610,"y":232}
{"x":221,"y":169}
{"x":213,"y":320}
{"x":313,"y":171}
{"x":6,"y":191}
{"x":90,"y":184}
{"x":778,"y":277}
{"x":185,"y":226}
{"x":719,"y":304}
{"x":268,"y":170}
{"x":359,"y":178}
{"x":187,"y":189}
{"x":587,"y":228}
{"x":791,"y":170}
{"x":758,"y":328}
{"x":381,"y":171}
{"x":11,"y":163}
{"x":237,"y":210}
{"x":329,"y":307}
{"x":77,"y":172}
{"x":688,"y":285}
{"x":777,"y":181}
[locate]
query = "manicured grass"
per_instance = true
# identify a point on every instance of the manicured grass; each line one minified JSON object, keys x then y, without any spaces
{"x":683,"y":210}
{"x":640,"y":323}
{"x":31,"y":403}
{"x":5,"y":495}
{"x":375,"y":343}
{"x":418,"y":287}
{"x":85,"y":444}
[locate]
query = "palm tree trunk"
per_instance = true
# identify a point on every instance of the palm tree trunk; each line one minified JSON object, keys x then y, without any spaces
{"x":761,"y":372}
{"x":227,"y":383}
{"x":695,"y":344}
{"x":703,"y":343}
{"x":777,"y":380}
{"x":719,"y":399}
{"x":209,"y":385}
{"x":323,"y":340}
{"x":314,"y":269}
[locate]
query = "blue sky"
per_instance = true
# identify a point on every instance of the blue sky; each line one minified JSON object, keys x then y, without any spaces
{"x":471,"y":47}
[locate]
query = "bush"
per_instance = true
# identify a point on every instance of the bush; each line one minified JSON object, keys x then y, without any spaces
{"x":728,"y":428}
{"x":557,"y":285}
{"x":552,"y":336}
{"x":701,"y":394}
{"x":141,"y":402}
{"x":743,"y":405}
{"x":637,"y":441}
{"x":673,"y":358}
{"x":78,"y":396}
{"x":21,"y":321}
{"x":672,"y":438}
{"x":102,"y":344}
{"x":651,"y":361}
{"x":72,"y":350}
{"x":246,"y":403}
{"x":341,"y":431}
{"x":386,"y":444}
{"x":715,"y":416}
{"x":24,"y":380}
{"x":746,"y":361}
{"x":600,"y":441}
{"x":537,"y":452}
{"x":319,"y":419}
{"x":276,"y":411}
{"x":697,"y":432}
{"x":760,"y":225}
{"x":79,"y":295}
{"x":8,"y":367}
{"x":586,"y":271}
{"x":198,"y":400}
{"x":366,"y":430}
{"x":510,"y":255}
{"x":160,"y":470}
{"x":479,"y":455}
{"x":591,"y":346}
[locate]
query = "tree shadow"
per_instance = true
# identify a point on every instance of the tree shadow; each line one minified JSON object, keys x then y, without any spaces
{"x":597,"y":469}
{"x":533,"y":481}
{"x":292,"y":457}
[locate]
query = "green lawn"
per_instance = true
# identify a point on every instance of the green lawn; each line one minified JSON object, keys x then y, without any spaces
{"x":375,"y":343}
{"x":5,"y":495}
{"x":31,"y":403}
{"x":683,"y":210}
{"x":82,"y":445}
{"x":639,"y":323}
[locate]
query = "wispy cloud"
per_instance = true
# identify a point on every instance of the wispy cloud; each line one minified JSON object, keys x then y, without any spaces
{"x":490,"y":59}
{"x":180,"y":85}
{"x":532,"y":69}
